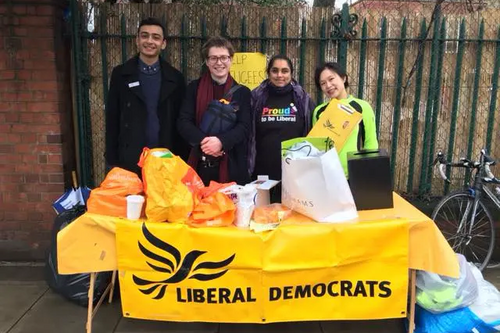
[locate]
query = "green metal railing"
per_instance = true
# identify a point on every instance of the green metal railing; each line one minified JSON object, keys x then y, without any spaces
{"x":380,"y":76}
{"x":432,"y":125}
{"x":416,"y":106}
{"x":475,"y":89}
{"x":81,"y":97}
{"x":456,"y":94}
{"x":399,"y":87}
{"x":426,"y":152}
{"x":494,"y":91}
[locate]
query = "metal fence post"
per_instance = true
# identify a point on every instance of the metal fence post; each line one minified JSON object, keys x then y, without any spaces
{"x":494,"y":90}
{"x":456,"y":96}
{"x":475,"y":89}
{"x":380,"y":76}
{"x":416,"y":108}
{"x":436,"y":103}
{"x":399,"y":87}
{"x":428,"y":110}
{"x":362,"y":60}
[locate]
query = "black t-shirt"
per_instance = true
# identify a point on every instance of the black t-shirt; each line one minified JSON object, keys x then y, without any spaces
{"x":279,"y":120}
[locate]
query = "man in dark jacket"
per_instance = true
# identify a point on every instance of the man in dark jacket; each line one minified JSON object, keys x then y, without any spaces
{"x":145,"y":96}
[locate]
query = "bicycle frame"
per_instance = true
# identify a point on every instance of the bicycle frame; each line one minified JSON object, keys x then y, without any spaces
{"x":478,"y":189}
{"x":473,"y":196}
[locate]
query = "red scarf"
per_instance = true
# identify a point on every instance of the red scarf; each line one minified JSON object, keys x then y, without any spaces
{"x":204,"y":95}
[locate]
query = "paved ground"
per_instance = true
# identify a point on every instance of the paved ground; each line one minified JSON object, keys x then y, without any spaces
{"x":28,"y":306}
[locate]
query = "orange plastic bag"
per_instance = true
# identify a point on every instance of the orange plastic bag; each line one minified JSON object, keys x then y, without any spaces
{"x":110,"y":198}
{"x":212,"y":208}
{"x":273,"y":213}
{"x":169,"y":184}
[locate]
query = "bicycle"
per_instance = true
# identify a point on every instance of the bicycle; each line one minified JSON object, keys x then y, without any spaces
{"x":463,"y":217}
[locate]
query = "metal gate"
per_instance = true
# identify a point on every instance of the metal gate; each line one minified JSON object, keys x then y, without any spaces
{"x":430,"y":75}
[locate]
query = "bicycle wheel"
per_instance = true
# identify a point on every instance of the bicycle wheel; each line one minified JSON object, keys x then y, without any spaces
{"x":453,"y":214}
{"x":493,"y":264}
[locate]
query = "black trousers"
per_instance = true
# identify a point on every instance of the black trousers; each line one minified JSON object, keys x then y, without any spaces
{"x":208,"y":174}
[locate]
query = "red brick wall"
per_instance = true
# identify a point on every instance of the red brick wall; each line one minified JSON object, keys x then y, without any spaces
{"x":35,"y":118}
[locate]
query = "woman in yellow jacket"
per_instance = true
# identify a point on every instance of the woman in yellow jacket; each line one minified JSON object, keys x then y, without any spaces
{"x":332,"y":79}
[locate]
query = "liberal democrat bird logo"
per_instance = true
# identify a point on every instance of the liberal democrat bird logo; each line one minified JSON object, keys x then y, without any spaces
{"x":180,"y":273}
{"x":328,"y":125}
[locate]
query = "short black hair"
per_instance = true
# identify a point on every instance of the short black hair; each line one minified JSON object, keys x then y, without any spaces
{"x":278,"y":57}
{"x":334,"y":67}
{"x":152,"y":21}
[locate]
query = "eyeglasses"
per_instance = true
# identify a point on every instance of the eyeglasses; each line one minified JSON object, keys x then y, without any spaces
{"x":212,"y":60}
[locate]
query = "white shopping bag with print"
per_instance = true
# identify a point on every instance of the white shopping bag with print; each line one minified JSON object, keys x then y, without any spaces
{"x":313,"y":181}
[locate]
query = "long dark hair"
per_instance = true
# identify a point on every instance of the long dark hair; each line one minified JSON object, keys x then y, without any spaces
{"x":334,"y":67}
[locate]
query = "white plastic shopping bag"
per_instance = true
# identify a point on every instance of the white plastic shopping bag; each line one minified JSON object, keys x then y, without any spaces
{"x":313,"y":181}
{"x":438,"y":294}
{"x":487,"y":305}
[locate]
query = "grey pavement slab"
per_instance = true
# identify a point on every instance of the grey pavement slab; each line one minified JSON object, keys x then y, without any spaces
{"x":127,"y":325}
{"x":16,"y":299}
{"x":364,"y":326}
{"x":292,"y":327}
{"x":53,"y":314}
{"x":493,"y":275}
{"x":21,"y":273}
{"x":28,"y":306}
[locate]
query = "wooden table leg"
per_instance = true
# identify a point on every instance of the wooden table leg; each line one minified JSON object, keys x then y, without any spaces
{"x":91,"y":302}
{"x":113,"y":280}
{"x":413,"y":300}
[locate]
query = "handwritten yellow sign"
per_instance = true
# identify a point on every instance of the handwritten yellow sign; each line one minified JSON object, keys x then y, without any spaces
{"x":249,"y":69}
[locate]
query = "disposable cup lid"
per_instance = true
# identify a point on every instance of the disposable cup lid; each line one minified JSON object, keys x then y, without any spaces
{"x":135,"y":198}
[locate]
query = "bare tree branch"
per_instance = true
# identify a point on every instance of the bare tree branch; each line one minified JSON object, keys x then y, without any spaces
{"x":420,"y":54}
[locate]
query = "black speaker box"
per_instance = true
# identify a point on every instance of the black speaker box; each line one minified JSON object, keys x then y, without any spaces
{"x":370,"y":179}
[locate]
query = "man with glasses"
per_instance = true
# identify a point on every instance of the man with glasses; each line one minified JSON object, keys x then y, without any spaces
{"x":220,"y":157}
{"x":145,"y":96}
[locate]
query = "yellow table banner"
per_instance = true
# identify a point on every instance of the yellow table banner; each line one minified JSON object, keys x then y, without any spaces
{"x":298,"y":272}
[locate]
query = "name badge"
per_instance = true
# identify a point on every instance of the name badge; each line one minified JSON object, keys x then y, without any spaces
{"x":133,"y":84}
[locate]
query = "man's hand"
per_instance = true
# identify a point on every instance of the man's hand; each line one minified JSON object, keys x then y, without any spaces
{"x":212,"y":146}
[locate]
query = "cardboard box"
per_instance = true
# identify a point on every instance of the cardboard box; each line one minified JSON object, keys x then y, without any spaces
{"x":263,"y":185}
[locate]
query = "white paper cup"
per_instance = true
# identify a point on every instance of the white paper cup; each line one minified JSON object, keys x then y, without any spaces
{"x":134,"y":206}
{"x":243,"y":215}
{"x":245,"y":205}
